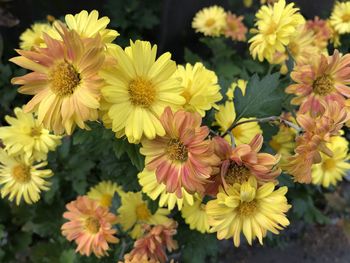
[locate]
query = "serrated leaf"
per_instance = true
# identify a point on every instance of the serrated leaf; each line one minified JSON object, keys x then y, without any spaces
{"x":262,"y":98}
{"x":136,"y":158}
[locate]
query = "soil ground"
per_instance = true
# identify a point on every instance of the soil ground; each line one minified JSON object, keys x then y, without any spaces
{"x":326,"y":244}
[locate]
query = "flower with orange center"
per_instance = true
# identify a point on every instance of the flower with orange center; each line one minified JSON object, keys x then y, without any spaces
{"x":322,"y":31}
{"x":182,"y":157}
{"x":138,"y":89}
{"x":323,"y":81}
{"x":309,"y":145}
{"x":90,"y":226}
{"x":153,"y":245}
{"x":239,"y":163}
{"x":64,"y":80}
{"x":235,"y":28}
{"x":135,"y":212}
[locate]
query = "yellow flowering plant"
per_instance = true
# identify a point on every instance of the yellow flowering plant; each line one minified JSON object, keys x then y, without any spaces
{"x":117,"y":147}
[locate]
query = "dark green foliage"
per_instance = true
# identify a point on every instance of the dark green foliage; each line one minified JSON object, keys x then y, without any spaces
{"x":132,"y":18}
{"x":9,"y":98}
{"x":197,"y":247}
{"x":262,"y":98}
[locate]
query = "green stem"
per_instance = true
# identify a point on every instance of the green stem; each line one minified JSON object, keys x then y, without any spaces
{"x":262,"y":120}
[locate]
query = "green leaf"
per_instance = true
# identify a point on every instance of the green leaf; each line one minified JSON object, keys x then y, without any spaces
{"x":203,"y":246}
{"x":68,"y":256}
{"x":136,"y":158}
{"x":262,"y":98}
{"x":191,"y":57}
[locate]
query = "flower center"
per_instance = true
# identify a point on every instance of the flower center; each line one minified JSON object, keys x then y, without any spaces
{"x":106,"y":200}
{"x":21,"y":173}
{"x":177,"y":151}
{"x":187,"y":95}
{"x":247,"y":208}
{"x":328,"y":164}
{"x":210,"y":22}
{"x":142,"y":92}
{"x":294,"y":49}
{"x":64,"y":79}
{"x":35,"y":131}
{"x":346,"y":17}
{"x":92,"y":224}
{"x":142,"y":212}
{"x":237,"y":174}
{"x":323,"y":85}
{"x":272,"y":28}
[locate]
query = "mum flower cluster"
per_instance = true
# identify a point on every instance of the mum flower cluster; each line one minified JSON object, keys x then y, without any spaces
{"x":214,"y":21}
{"x":202,"y":157}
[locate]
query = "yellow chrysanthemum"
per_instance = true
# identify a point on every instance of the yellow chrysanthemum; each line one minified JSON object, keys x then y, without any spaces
{"x":27,"y":136}
{"x":200,"y":87}
{"x":211,"y":21}
{"x":241,"y":84}
{"x":247,"y":3}
{"x":301,"y":48}
{"x":20,"y":178}
{"x":275,"y":24}
{"x":33,"y":36}
{"x":195,"y":216}
{"x":104,"y":192}
{"x":138,"y":90}
{"x":331,"y":170}
{"x":243,"y":133}
{"x":134,"y":212}
{"x":340,"y":17}
{"x":248,"y":208}
{"x":64,"y":81}
{"x":153,"y":189}
{"x":88,"y":25}
{"x":335,"y":37}
{"x":283,"y":142}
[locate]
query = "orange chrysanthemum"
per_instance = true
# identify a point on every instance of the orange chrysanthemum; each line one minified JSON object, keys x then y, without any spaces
{"x":64,"y":81}
{"x":235,"y":28}
{"x":151,"y":248}
{"x":239,"y":163}
{"x":181,"y":158}
{"x":90,"y":225}
{"x":323,"y":81}
{"x":317,"y":132}
{"x":322,"y":31}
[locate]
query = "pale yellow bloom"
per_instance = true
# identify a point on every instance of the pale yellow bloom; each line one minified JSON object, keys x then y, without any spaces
{"x":153,"y":189}
{"x":200,"y":87}
{"x":241,"y":84}
{"x":33,"y":36}
{"x":104,"y":192}
{"x":283,"y":142}
{"x":195,"y":216}
{"x":332,"y":169}
{"x":276,"y":24}
{"x":138,"y":90}
{"x":134,"y":212}
{"x":19,"y":178}
{"x":243,"y":133}
{"x":340,"y":17}
{"x":249,"y":209}
{"x":88,"y":25}
{"x":27,"y":136}
{"x":211,"y":21}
